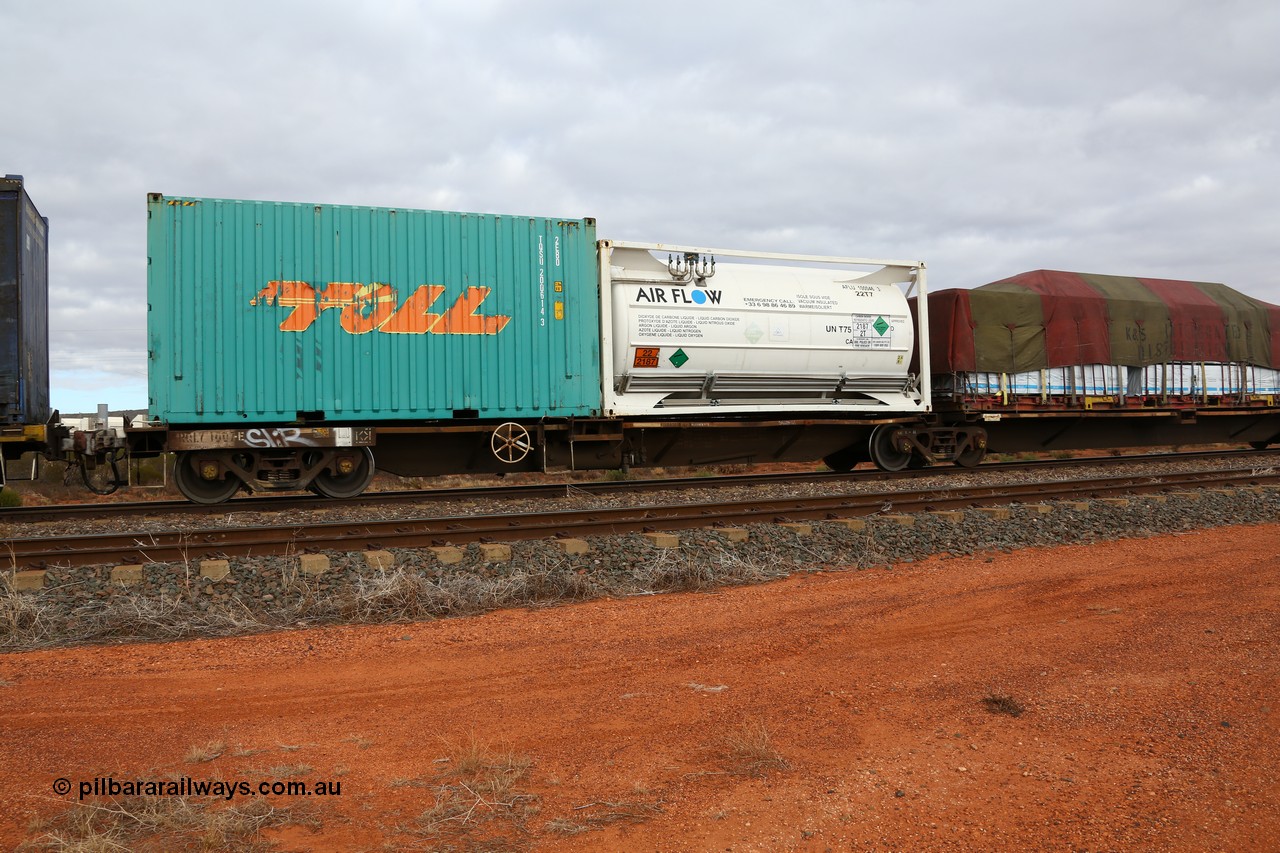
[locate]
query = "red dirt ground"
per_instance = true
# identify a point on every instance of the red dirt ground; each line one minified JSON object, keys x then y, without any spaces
{"x":1148,"y":669}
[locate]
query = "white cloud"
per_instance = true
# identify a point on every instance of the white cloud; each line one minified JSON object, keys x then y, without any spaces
{"x":986,"y":138}
{"x":1200,"y":185}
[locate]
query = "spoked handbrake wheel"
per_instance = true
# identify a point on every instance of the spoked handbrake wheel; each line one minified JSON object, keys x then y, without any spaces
{"x":510,"y":442}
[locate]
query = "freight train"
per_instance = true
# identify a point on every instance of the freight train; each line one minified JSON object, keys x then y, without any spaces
{"x":302,"y":346}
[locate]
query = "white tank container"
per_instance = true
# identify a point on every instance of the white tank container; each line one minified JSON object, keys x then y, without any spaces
{"x":755,"y":336}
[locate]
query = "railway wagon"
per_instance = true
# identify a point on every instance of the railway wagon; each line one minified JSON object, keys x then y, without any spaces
{"x":1049,"y":360}
{"x":302,"y":345}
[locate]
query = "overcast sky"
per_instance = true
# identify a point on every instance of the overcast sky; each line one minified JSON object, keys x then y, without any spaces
{"x":1135,"y":137}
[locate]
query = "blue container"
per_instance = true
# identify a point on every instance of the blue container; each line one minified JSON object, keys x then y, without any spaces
{"x":268,"y":312}
{"x":24,"y":307}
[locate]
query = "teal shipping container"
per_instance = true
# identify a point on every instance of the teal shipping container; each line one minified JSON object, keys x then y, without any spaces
{"x":271,"y":312}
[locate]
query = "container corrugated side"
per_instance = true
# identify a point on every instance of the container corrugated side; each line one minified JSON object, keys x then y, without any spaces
{"x":24,"y":307}
{"x":268,"y":311}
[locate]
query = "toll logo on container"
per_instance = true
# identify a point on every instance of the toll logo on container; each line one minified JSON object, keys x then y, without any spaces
{"x":365,"y":308}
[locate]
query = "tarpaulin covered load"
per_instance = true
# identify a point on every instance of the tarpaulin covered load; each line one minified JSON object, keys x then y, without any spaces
{"x":1047,"y":319}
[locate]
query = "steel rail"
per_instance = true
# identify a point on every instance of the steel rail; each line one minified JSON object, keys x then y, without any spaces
{"x":279,"y":503}
{"x":185,"y":546}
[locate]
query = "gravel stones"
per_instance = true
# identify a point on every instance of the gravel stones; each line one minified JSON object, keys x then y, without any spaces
{"x":86,"y":605}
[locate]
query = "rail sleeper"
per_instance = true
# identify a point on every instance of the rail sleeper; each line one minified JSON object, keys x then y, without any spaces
{"x":573,"y":547}
{"x":27,"y":581}
{"x":447,"y":554}
{"x":127,"y":575}
{"x":380,"y":559}
{"x":215,"y":570}
{"x":495,"y":552}
{"x":313,"y":564}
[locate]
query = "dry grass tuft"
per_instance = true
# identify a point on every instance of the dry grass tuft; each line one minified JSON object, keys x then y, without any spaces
{"x":206,"y":752}
{"x":478,"y":801}
{"x":290,"y":771}
{"x":564,"y":826}
{"x":404,"y":595}
{"x":602,"y":814}
{"x":21,"y":616}
{"x":402,"y":782}
{"x":29,"y":621}
{"x":245,"y":752}
{"x":750,"y":750}
{"x":671,"y":571}
{"x":361,"y":741}
{"x":158,"y":823}
{"x":999,"y":703}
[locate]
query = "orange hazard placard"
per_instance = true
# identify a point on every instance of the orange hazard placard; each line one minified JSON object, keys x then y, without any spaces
{"x":646,"y":357}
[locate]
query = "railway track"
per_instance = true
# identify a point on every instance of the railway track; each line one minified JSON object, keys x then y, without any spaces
{"x":184,"y":546}
{"x":280,"y":503}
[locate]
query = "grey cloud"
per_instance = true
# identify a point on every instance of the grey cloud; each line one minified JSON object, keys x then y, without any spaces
{"x":986,"y":138}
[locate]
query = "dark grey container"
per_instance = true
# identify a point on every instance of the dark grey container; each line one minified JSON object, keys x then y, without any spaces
{"x":24,"y":307}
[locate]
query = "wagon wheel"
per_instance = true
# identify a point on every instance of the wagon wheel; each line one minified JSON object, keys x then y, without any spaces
{"x":889,"y":454}
{"x":352,"y":477}
{"x":844,"y":460}
{"x":196,"y":488}
{"x":974,"y":452}
{"x":972,"y":457}
{"x":510,"y":443}
{"x":917,"y":462}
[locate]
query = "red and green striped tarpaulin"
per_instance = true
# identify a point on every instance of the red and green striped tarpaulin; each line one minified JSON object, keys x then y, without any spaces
{"x":1048,"y":318}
